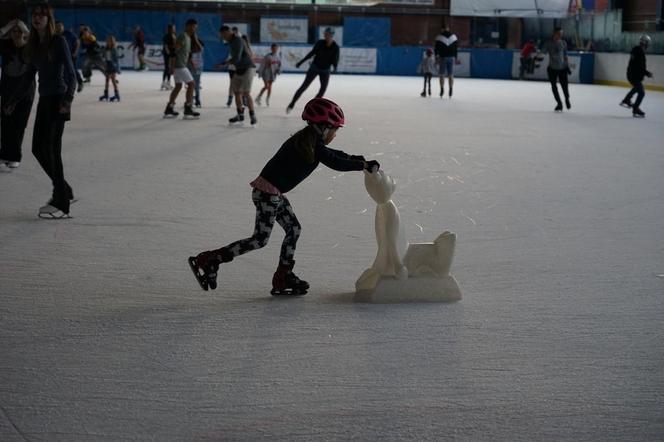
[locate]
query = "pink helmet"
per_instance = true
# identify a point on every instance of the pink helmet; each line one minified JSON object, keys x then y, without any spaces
{"x":323,"y":111}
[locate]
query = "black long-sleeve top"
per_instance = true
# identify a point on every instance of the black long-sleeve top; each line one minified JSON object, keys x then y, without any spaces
{"x":291,"y":164}
{"x":324,"y":55}
{"x":15,"y":73}
{"x":636,"y":69}
{"x":56,"y":71}
{"x":446,"y":45}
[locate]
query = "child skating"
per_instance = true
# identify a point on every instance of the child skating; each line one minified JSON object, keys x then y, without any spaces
{"x":297,"y":158}
{"x":268,"y":71}
{"x":427,"y":69}
{"x":112,"y":69}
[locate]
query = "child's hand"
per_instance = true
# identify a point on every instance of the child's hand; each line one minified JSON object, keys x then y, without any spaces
{"x":372,"y":166}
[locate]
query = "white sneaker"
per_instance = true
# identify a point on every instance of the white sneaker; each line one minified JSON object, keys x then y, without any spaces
{"x":51,"y":212}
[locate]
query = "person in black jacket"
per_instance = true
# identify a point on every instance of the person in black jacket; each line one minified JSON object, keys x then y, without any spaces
{"x":48,"y":54}
{"x":636,"y":71}
{"x":297,"y":158}
{"x":446,"y":50}
{"x":15,"y":102}
{"x":326,"y":56}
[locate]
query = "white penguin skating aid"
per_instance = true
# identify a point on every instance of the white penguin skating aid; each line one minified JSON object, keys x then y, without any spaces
{"x":403,"y":272}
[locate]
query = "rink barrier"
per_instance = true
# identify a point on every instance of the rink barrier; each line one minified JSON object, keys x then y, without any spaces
{"x":611,"y":70}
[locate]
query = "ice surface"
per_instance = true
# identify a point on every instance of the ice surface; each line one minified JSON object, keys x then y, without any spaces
{"x":105,"y":334}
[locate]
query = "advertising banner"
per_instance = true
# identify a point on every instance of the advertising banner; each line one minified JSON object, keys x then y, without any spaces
{"x":284,"y":30}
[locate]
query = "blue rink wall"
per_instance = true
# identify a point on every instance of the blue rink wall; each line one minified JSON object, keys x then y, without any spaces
{"x":358,"y":32}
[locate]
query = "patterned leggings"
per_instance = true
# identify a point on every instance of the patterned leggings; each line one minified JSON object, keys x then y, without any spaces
{"x":269,"y":208}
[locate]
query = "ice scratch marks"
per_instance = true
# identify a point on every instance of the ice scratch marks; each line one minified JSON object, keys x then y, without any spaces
{"x":467,"y":217}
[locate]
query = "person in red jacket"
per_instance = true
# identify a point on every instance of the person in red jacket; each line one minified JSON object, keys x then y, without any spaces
{"x":297,"y":158}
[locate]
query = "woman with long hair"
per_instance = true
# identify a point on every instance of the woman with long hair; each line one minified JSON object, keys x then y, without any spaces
{"x":49,"y":55}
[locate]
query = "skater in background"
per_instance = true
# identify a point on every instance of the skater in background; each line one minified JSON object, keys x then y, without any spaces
{"x":181,"y":73}
{"x":269,"y":69}
{"x":636,"y":71}
{"x":74,"y":45}
{"x":17,"y":92}
{"x":326,"y":57}
{"x":49,"y":55}
{"x":112,"y":69}
{"x":245,"y":70}
{"x":427,"y":69}
{"x":446,"y":50}
{"x":93,"y":57}
{"x":168,"y":52}
{"x":527,"y":59}
{"x":558,"y":68}
{"x":195,"y":65}
{"x":297,"y":158}
{"x":139,"y":45}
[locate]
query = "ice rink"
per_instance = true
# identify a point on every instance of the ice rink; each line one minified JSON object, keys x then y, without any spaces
{"x":105,"y":334}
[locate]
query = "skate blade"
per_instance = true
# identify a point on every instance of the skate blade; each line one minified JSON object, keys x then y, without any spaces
{"x":288,"y":292}
{"x":199,"y":278}
{"x":169,"y":117}
{"x":190,"y":117}
{"x":625,"y":105}
{"x":55,"y":215}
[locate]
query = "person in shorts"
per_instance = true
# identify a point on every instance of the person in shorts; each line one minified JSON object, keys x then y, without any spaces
{"x":181,"y":73}
{"x":446,"y":50}
{"x":245,"y":71}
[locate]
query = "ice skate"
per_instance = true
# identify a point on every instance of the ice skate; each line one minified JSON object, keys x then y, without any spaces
{"x":626,"y":103}
{"x":253,"y":119}
{"x":197,"y":103}
{"x":51,"y":212}
{"x":450,"y":91}
{"x":190,"y":113}
{"x":105,"y":96}
{"x":289,"y":108}
{"x":286,"y":283}
{"x":204,"y":270}
{"x":559,"y":108}
{"x":115,"y":97}
{"x":237,"y":119}
{"x":170,"y":112}
{"x":442,"y":92}
{"x":423,"y":94}
{"x":568,"y":104}
{"x":638,"y":113}
{"x":229,"y":101}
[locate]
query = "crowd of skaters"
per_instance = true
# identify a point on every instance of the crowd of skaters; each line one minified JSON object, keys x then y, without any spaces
{"x":51,"y":51}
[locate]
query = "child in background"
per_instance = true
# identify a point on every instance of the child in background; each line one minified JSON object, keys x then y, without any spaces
{"x":428,"y":69}
{"x":112,"y":68}
{"x":268,"y":70}
{"x":297,"y":158}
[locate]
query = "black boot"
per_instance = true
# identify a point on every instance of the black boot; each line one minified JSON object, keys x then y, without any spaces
{"x":285,"y":282}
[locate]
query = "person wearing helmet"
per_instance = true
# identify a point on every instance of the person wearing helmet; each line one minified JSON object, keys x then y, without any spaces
{"x":326,"y":56}
{"x":297,"y":158}
{"x":636,"y":71}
